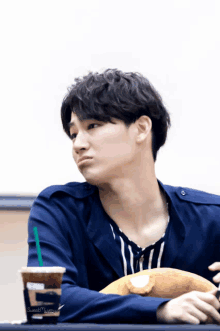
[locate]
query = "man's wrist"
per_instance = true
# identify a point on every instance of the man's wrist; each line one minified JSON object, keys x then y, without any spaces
{"x":159,"y":313}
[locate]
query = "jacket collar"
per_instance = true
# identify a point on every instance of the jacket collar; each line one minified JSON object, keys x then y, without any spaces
{"x":100,"y":233}
{"x":177,"y":232}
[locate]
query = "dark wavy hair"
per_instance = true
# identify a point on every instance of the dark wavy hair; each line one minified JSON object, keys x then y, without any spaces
{"x":116,"y":94}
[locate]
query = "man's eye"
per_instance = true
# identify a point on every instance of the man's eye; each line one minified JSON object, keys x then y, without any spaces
{"x":72,"y":136}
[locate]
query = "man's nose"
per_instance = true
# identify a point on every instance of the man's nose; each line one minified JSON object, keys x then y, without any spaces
{"x":80,"y":141}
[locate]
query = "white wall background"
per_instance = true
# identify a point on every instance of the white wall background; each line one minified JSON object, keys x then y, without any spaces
{"x":45,"y":44}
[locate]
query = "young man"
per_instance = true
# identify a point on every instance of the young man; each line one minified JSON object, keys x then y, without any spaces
{"x":123,"y":219}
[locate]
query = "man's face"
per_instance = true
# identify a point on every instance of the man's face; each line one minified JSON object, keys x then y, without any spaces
{"x":111,"y":146}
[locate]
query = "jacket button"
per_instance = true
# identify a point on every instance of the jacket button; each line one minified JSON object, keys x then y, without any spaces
{"x":183,"y":192}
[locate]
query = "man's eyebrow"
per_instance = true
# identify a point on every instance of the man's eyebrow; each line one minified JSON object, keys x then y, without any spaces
{"x":73,"y":124}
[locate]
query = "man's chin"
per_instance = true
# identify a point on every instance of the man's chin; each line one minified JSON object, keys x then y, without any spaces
{"x":93,"y":180}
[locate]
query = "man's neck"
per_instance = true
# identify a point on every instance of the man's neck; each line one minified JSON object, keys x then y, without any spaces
{"x":137,"y":206}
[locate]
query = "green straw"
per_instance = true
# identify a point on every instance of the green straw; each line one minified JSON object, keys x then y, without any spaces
{"x":38,"y":247}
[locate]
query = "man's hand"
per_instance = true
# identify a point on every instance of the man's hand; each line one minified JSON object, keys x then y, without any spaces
{"x":213,"y":267}
{"x":191,"y":308}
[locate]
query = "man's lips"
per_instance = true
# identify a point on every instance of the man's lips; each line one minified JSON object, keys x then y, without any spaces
{"x":84,"y":159}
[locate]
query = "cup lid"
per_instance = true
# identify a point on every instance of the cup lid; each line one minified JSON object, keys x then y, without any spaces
{"x":53,"y":269}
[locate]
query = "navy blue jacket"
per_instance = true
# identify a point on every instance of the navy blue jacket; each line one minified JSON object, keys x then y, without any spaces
{"x":74,"y":233}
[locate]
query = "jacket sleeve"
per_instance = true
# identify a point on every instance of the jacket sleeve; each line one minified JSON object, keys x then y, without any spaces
{"x":80,"y":305}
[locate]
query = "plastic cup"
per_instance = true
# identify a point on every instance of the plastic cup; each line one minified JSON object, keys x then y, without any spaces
{"x":42,"y":291}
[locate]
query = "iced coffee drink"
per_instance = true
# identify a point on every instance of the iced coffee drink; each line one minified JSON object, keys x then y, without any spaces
{"x":42,"y":291}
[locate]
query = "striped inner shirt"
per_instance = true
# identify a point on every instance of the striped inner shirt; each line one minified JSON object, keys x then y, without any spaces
{"x":134,"y":257}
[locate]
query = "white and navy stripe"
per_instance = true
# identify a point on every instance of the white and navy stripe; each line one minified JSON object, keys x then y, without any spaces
{"x":134,"y":258}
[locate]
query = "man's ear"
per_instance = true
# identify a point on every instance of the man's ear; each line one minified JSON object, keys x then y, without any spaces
{"x":141,"y":285}
{"x":144,"y":126}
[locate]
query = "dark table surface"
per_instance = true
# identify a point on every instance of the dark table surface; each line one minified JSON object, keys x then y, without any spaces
{"x":105,"y":327}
